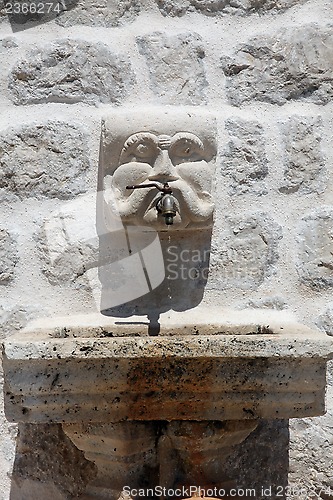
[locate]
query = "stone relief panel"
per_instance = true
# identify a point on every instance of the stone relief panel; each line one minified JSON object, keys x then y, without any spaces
{"x":159,"y":148}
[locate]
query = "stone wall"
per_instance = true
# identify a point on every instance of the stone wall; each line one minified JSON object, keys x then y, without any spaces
{"x":264,"y":67}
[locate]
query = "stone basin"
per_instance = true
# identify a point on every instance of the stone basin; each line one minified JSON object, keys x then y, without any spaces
{"x":242,"y":365}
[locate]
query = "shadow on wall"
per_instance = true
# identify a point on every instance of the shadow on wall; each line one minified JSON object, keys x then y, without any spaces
{"x":29,"y":14}
{"x":48,"y":465}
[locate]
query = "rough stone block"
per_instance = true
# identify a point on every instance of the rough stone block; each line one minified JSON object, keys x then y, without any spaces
{"x":71,"y":71}
{"x":68,"y":242}
{"x":48,"y":159}
{"x":294,"y":64}
{"x":102,"y":13}
{"x":8,"y":257}
{"x":304,"y":164}
{"x":175,"y":64}
{"x":214,"y":7}
{"x":325,"y":320}
{"x":245,"y":253}
{"x":315,"y":266}
{"x":244,"y":159}
{"x":12,"y":320}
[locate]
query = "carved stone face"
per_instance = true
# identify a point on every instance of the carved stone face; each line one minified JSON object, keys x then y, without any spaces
{"x":182,"y":159}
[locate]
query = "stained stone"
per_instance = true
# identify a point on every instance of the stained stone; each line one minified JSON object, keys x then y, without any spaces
{"x":304,"y":164}
{"x":315,"y":264}
{"x":244,"y":158}
{"x":71,"y":71}
{"x":49,"y":159}
{"x":48,"y":464}
{"x":102,"y":13}
{"x":245,"y":253}
{"x":8,"y":257}
{"x":175,"y":64}
{"x":294,"y":64}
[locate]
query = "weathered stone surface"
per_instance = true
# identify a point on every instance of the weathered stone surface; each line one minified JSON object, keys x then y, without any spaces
{"x":3,"y":15}
{"x":214,"y":7}
{"x":311,"y":441}
{"x":68,"y":243}
{"x":295,"y":64}
{"x":45,"y":371}
{"x":101,"y":13}
{"x":315,"y":265}
{"x":325,"y":320}
{"x":71,"y":265}
{"x":261,"y":461}
{"x":245,"y":253}
{"x":71,"y":71}
{"x":48,"y":464}
{"x":175,"y":64}
{"x":49,"y":159}
{"x":9,"y":42}
{"x":125,"y":454}
{"x":244,"y":159}
{"x":192,"y":450}
{"x":12,"y":320}
{"x":8,"y":257}
{"x":270,"y":302}
{"x":304,"y":164}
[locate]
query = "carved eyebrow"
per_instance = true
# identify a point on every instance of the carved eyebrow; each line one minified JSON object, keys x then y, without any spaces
{"x":137,"y":138}
{"x":188,"y":136}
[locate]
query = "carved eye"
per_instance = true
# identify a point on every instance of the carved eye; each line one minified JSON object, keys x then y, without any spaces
{"x":143,"y":150}
{"x":186,"y":146}
{"x":140,"y":146}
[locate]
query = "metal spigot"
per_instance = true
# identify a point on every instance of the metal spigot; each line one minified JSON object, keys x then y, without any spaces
{"x":166,"y":205}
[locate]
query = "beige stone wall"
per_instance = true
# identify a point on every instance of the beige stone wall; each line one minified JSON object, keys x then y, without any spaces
{"x":264,"y":67}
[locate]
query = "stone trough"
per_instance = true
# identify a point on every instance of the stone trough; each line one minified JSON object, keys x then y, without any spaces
{"x":109,"y":383}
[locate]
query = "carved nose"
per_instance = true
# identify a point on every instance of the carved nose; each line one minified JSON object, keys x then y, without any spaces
{"x":163,"y":169}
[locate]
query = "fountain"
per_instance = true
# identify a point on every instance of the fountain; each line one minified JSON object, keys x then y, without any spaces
{"x":159,"y":385}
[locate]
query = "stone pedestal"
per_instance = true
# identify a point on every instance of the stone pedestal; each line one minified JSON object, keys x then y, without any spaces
{"x":163,"y":411}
